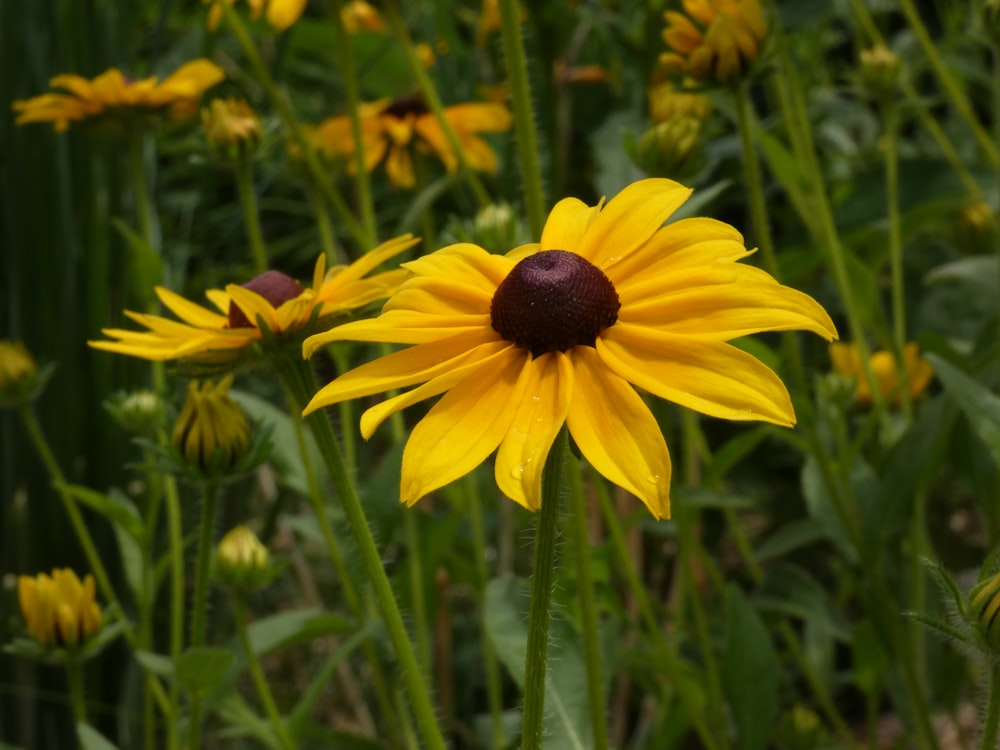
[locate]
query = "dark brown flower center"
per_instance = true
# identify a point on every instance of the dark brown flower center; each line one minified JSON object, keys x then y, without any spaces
{"x":552,"y":301}
{"x":274,"y":286}
{"x":412,"y":104}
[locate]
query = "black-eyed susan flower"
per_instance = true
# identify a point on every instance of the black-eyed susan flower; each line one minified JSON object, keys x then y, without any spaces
{"x":59,"y":610}
{"x":847,"y":361}
{"x":280,"y":14}
{"x":713,"y":40}
{"x":560,"y":331}
{"x":112,"y":96}
{"x":395,"y":126}
{"x":272,"y":302}
{"x":230,"y":124}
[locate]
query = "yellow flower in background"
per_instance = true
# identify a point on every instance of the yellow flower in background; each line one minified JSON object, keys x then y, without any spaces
{"x":713,"y":39}
{"x":394,"y":126}
{"x":59,"y":610}
{"x":666,"y":103}
{"x":211,"y":432}
{"x":847,"y":361}
{"x":111,"y":95}
{"x":18,"y":373}
{"x":279,"y":301}
{"x":230,"y":122}
{"x":280,"y":13}
{"x":358,"y":16}
{"x":560,"y":331}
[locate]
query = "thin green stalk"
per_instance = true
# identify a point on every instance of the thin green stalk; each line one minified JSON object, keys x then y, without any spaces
{"x":536,"y":659}
{"x":284,"y":108}
{"x":996,"y":130}
{"x":958,"y":99}
{"x":323,"y":225}
{"x":349,"y":78}
{"x":524,"y":117}
{"x":145,"y":602}
{"x":492,"y":668}
{"x":339,"y":355}
{"x":206,"y":534}
{"x":588,"y":607}
{"x":418,"y":595}
{"x":301,"y":382}
{"x":988,"y":740}
{"x":755,"y":194}
{"x":74,"y":680}
{"x":140,"y":189}
{"x":430,"y":94}
{"x":248,"y":199}
{"x":257,"y":675}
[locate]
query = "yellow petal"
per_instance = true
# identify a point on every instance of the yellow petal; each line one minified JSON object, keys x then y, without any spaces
{"x":192,"y":79}
{"x":708,"y":376}
{"x":190,"y":312}
{"x":566,"y":224}
{"x":371,"y":260}
{"x":617,"y":433}
{"x":400,"y":167}
{"x":283,"y":13}
{"x":464,"y":427}
{"x":538,"y":417}
{"x":466,"y":262}
{"x":253,"y":306}
{"x":398,"y":327}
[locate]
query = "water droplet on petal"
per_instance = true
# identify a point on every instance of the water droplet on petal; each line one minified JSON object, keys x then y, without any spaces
{"x":517,"y":472}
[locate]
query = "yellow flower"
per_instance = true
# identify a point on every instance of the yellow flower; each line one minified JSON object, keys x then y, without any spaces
{"x":212,"y":432}
{"x":18,"y":373}
{"x":280,"y":13}
{"x":241,"y":561}
{"x":847,"y":361}
{"x":393,"y":126}
{"x":111,"y":95}
{"x":667,"y":103}
{"x":713,"y":39}
{"x":59,"y":611}
{"x":230,"y":122}
{"x":560,"y":331}
{"x":274,"y":298}
{"x":358,"y":16}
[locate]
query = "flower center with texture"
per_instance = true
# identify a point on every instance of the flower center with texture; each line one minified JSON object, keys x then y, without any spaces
{"x":274,"y":286}
{"x":404,"y":106}
{"x":552,"y":301}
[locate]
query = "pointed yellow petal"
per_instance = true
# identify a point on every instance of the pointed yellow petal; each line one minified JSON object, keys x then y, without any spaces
{"x":464,"y":427}
{"x":367,"y":262}
{"x":190,"y":312}
{"x":466,"y":262}
{"x":566,"y":224}
{"x":253,"y":306}
{"x":617,"y":433}
{"x":538,"y":417}
{"x":400,"y":167}
{"x":399,"y":327}
{"x":283,"y":13}
{"x":708,"y":376}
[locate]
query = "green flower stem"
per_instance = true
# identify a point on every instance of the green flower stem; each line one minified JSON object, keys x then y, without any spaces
{"x":284,"y":108}
{"x":248,"y":199}
{"x":692,"y":703}
{"x":324,"y":225}
{"x":432,"y":99}
{"x":492,"y":668}
{"x":74,"y":680}
{"x":339,"y":355}
{"x":418,"y":595}
{"x":301,"y":382}
{"x":257,"y":674}
{"x":140,"y":189}
{"x":542,"y":576}
{"x":349,"y":77}
{"x":988,"y":740}
{"x":958,"y":99}
{"x":145,"y":605}
{"x":206,"y":534}
{"x":524,"y":117}
{"x":588,"y":607}
{"x":996,"y":129}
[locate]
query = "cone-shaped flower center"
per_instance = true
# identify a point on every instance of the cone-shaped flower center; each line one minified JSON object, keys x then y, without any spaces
{"x":274,"y":286}
{"x":552,"y":301}
{"x":406,"y":105}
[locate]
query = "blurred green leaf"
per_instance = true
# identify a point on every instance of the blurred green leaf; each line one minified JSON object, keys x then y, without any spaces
{"x":91,"y":739}
{"x":201,"y":670}
{"x":980,"y":407}
{"x":979,"y":271}
{"x":870,"y":660}
{"x":789,"y":538}
{"x":790,"y":590}
{"x":295,"y":626}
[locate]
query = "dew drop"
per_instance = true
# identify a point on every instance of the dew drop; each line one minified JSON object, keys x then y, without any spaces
{"x":653,"y":478}
{"x":517,"y":472}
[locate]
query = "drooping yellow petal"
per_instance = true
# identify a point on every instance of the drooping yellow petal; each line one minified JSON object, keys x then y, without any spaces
{"x":539,"y":416}
{"x":188,"y":311}
{"x":708,"y":376}
{"x":254,"y":306}
{"x":399,"y":166}
{"x":464,"y":427}
{"x":617,"y":433}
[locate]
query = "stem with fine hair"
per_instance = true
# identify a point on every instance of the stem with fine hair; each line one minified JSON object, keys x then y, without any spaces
{"x":300,"y":380}
{"x":248,"y":199}
{"x":524,"y":116}
{"x":74,"y":680}
{"x":199,"y":608}
{"x":536,"y":657}
{"x":991,"y":725}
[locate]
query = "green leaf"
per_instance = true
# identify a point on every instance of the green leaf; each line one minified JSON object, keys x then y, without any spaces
{"x":157,"y":664}
{"x":821,"y":507}
{"x":749,"y":671}
{"x":790,"y":537}
{"x":980,"y":407}
{"x":91,"y":739}
{"x":201,"y":670}
{"x":870,"y":660}
{"x":979,"y":271}
{"x":115,"y":506}
{"x":790,"y":590}
{"x":295,"y":626}
{"x":567,"y":715}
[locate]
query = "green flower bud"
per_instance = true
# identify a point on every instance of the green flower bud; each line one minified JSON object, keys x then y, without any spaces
{"x":984,"y":605}
{"x":211,"y":433}
{"x":241,"y":561}
{"x":880,"y":72}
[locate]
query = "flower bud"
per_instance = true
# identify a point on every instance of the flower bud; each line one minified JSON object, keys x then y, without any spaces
{"x":59,"y":610}
{"x":140,"y":412}
{"x":880,"y":72}
{"x":18,"y":373}
{"x":665,"y":150}
{"x":211,"y":433}
{"x":984,"y":604}
{"x":241,"y":561}
{"x":231,"y":126}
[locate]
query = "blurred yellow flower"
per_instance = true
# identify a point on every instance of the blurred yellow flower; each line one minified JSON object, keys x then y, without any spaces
{"x":847,"y":361}
{"x":713,"y":39}
{"x":112,"y":95}
{"x":358,"y":16}
{"x":272,"y":299}
{"x":18,"y":373}
{"x":59,"y":611}
{"x":230,"y":122}
{"x":393,"y":126}
{"x":280,"y":13}
{"x":211,"y":432}
{"x":666,"y":103}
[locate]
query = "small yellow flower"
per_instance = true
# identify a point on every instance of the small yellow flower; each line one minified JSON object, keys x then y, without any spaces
{"x":847,"y":361}
{"x":18,"y":373}
{"x":713,"y":39}
{"x":358,"y":16}
{"x":280,"y":13}
{"x":111,"y":96}
{"x":558,"y":332}
{"x":272,"y":300}
{"x":59,"y":611}
{"x":394,"y":126}
{"x":241,"y":561}
{"x":212,"y":432}
{"x":425,"y":53}
{"x":230,"y":123}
